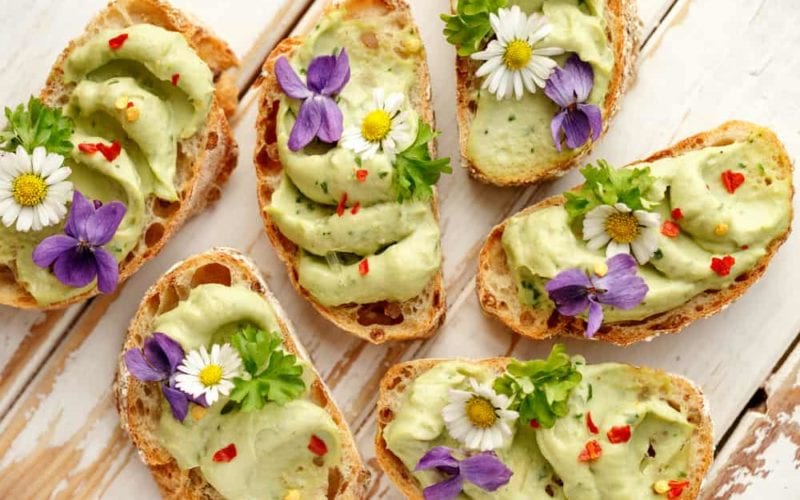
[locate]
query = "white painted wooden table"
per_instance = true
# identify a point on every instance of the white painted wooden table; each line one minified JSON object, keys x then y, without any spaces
{"x":703,"y":61}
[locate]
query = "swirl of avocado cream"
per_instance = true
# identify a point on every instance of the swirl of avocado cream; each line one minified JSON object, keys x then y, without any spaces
{"x":398,"y":239}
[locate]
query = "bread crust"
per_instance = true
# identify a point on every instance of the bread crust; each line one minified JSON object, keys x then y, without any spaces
{"x":139,"y":404}
{"x":497,"y":290}
{"x":680,"y":393}
{"x":375,"y":322}
{"x":205,"y":160}
{"x":622,"y":30}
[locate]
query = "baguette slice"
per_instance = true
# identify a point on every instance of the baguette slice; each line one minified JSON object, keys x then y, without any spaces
{"x":680,"y":393}
{"x":622,"y":23}
{"x":205,"y":160}
{"x":376,"y":322}
{"x":139,"y":406}
{"x":497,"y":289}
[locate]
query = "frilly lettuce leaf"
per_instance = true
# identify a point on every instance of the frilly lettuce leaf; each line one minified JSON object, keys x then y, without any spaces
{"x":37,"y":125}
{"x":606,"y":185}
{"x":415,"y":170}
{"x":470,"y":25}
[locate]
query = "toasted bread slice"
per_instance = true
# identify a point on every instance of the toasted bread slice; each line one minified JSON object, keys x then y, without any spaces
{"x":680,"y":393}
{"x":205,"y":160}
{"x":497,"y":289}
{"x":622,"y":31}
{"x":139,"y":405}
{"x":376,"y":322}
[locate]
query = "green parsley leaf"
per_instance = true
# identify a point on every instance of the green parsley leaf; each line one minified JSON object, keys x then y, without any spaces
{"x":606,"y":185}
{"x":470,"y":25}
{"x":274,"y":374}
{"x":38,"y":125}
{"x":540,"y":388}
{"x":415,"y":171}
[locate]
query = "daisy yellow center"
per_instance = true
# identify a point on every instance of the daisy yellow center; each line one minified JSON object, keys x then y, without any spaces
{"x":480,"y":412}
{"x":376,"y":125}
{"x":518,"y":54}
{"x":29,"y":190}
{"x":622,"y":227}
{"x":210,"y":375}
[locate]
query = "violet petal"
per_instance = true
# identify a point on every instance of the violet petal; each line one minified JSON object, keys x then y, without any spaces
{"x":331,"y":125}
{"x":569,"y":290}
{"x":76,"y":267}
{"x":576,"y":128}
{"x":102,"y":225}
{"x":306,"y":126}
{"x":486,"y":471}
{"x":107,"y":270}
{"x":339,"y":76}
{"x":163,"y":351}
{"x":444,"y":490}
{"x":582,"y":77}
{"x":595,"y":318}
{"x":560,"y":88}
{"x":79,"y":212}
{"x":555,"y":128}
{"x":51,"y":248}
{"x":288,"y":80}
{"x":178,"y":401}
{"x":595,"y":117}
{"x":319,"y":73}
{"x":439,"y":456}
{"x":621,"y":287}
{"x":140,"y":368}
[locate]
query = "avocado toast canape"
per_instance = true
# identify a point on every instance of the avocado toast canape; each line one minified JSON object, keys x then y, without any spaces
{"x":129,"y":139}
{"x":220,"y":398}
{"x":346,"y":168}
{"x":541,"y":429}
{"x":647,"y":249}
{"x":538,"y":81}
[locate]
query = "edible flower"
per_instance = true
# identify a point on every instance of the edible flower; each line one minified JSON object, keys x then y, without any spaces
{"x":385,"y":128}
{"x":590,"y":452}
{"x":209,"y":374}
{"x":732,"y":180}
{"x":569,"y":87}
{"x":622,"y":230}
{"x":33,"y":189}
{"x":157,"y":361}
{"x":573,"y":291}
{"x":619,"y":434}
{"x":78,"y":256}
{"x":319,"y":115}
{"x":479,"y":418}
{"x":485,"y":470}
{"x":225,"y":455}
{"x":722,"y":266}
{"x":513,"y":60}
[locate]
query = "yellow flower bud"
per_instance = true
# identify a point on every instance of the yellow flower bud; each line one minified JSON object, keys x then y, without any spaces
{"x":132,"y":114}
{"x":661,"y":487}
{"x":721,"y":229}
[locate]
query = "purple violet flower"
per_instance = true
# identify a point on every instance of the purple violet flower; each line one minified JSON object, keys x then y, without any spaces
{"x":484,"y":470}
{"x":76,"y":256}
{"x":574,"y":291}
{"x":319,"y":114}
{"x":569,"y":87}
{"x":158,"y":361}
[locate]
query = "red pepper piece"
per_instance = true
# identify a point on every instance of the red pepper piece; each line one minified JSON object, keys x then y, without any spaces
{"x":130,"y":104}
{"x":363,"y":267}
{"x":732,"y":180}
{"x":175,"y":78}
{"x":670,"y":229}
{"x":620,"y":434}
{"x":356,"y":208}
{"x":341,"y":205}
{"x":117,"y":42}
{"x":677,"y":213}
{"x":225,"y":454}
{"x":590,"y":423}
{"x":722,"y":266}
{"x":361,"y":174}
{"x":87,"y":147}
{"x":110,"y":152}
{"x":535,"y":423}
{"x":676,"y":488}
{"x":317,"y":446}
{"x":592,"y":451}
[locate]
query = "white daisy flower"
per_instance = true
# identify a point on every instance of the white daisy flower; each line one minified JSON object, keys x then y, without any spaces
{"x":513,"y":60}
{"x":210,"y":374}
{"x":479,"y":418}
{"x":387,"y":128}
{"x":622,"y":231}
{"x":33,"y":189}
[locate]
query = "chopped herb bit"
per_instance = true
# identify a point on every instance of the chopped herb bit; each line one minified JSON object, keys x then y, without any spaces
{"x":324,"y":186}
{"x":416,"y":171}
{"x":606,"y":185}
{"x":470,"y":25}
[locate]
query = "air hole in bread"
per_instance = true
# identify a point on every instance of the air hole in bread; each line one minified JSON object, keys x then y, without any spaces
{"x":437,"y":299}
{"x":334,"y":481}
{"x":473,"y":106}
{"x":674,"y":405}
{"x":386,"y":415}
{"x":723,"y":142}
{"x":263,"y":159}
{"x":211,"y":141}
{"x":525,"y":317}
{"x":139,"y":407}
{"x":270,"y":131}
{"x":377,"y":335}
{"x":211,"y":273}
{"x":214,"y":194}
{"x":552,"y":320}
{"x":266,"y":193}
{"x":169,"y":299}
{"x":153,"y":234}
{"x":257,"y":287}
{"x":147,"y":390}
{"x":380,"y":313}
{"x":152,"y":308}
{"x":317,"y":395}
{"x":549,"y":490}
{"x":369,"y":39}
{"x":165,"y":209}
{"x":393,"y":383}
{"x":7,"y":274}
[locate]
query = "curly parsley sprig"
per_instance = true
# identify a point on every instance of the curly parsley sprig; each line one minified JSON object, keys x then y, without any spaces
{"x":540,"y":388}
{"x":415,"y":170}
{"x":468,"y":28}
{"x":606,"y":185}
{"x":274,"y":375}
{"x":37,"y":125}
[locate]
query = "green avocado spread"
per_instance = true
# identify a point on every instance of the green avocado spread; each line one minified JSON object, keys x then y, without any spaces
{"x":542,"y":243}
{"x":511,"y":138}
{"x":398,"y":241}
{"x":125,"y":95}
{"x":545,"y":462}
{"x":272,"y":453}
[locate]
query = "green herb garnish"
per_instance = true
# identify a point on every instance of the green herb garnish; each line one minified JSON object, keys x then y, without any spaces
{"x":415,"y":171}
{"x":606,"y":185}
{"x":37,"y":125}
{"x":275,"y":375}
{"x":470,"y":25}
{"x":540,"y":388}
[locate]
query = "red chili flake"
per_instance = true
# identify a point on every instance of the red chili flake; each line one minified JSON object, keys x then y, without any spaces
{"x":175,"y":78}
{"x":676,"y":488}
{"x":732,"y":180}
{"x":621,"y":434}
{"x":745,"y":247}
{"x":317,"y":446}
{"x":88,"y":148}
{"x":677,"y":213}
{"x":130,"y":104}
{"x":225,"y":454}
{"x":591,"y":451}
{"x":590,"y":423}
{"x":722,"y":266}
{"x":670,"y":229}
{"x":110,"y":152}
{"x":363,"y":267}
{"x":361,"y":174}
{"x":340,"y":207}
{"x":356,"y":208}
{"x":117,"y":42}
{"x":535,"y":423}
